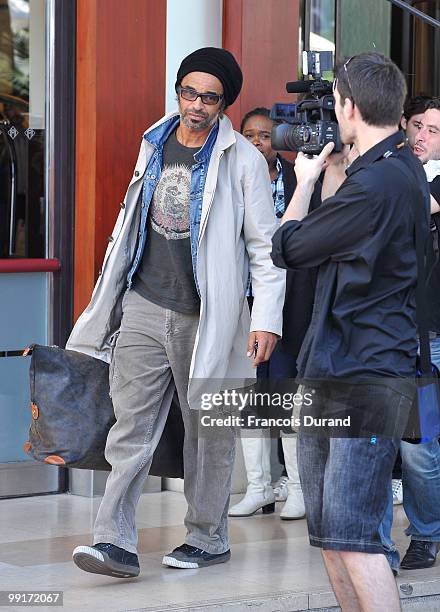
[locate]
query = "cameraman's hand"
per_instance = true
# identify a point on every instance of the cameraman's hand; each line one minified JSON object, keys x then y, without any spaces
{"x":308,"y":169}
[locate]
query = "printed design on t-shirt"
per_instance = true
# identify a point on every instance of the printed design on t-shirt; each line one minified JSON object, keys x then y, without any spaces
{"x":170,"y":204}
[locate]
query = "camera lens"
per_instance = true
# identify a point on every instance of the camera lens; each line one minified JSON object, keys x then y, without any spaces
{"x":305,"y":136}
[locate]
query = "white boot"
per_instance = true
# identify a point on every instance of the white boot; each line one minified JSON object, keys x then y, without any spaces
{"x":294,"y":506}
{"x":259,"y":493}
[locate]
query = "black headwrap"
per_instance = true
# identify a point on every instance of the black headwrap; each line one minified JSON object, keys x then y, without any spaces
{"x":220,"y":63}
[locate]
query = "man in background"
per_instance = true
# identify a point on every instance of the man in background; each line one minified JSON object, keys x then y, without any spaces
{"x":421,"y":462}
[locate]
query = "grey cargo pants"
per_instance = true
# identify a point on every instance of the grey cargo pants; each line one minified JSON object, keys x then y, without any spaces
{"x":151,"y":356}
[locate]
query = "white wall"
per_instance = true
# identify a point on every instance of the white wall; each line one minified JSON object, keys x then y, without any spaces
{"x":191,"y":24}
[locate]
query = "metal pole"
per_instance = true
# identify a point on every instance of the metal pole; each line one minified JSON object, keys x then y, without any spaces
{"x":4,"y":126}
{"x":410,"y":9}
{"x":407,"y":49}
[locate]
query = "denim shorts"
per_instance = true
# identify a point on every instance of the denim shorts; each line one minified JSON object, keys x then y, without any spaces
{"x":345,"y":482}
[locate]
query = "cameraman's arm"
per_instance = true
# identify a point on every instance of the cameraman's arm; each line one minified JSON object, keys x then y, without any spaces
{"x":435,"y":206}
{"x":336,"y":230}
{"x":307,"y":172}
{"x":300,"y":202}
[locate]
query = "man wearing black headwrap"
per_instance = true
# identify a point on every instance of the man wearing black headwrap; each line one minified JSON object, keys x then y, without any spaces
{"x":169,"y":310}
{"x":217,"y":62}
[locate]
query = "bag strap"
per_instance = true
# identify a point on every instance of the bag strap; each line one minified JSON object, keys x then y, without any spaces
{"x":421,"y":244}
{"x":421,"y":302}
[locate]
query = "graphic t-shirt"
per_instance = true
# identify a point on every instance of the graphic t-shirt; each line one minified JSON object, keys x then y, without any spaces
{"x":165,"y":274}
{"x":433,"y":293}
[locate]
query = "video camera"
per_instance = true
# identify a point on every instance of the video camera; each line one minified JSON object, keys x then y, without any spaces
{"x":309,"y":125}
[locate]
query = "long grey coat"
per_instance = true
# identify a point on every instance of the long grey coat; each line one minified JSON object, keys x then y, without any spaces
{"x":236,"y":228}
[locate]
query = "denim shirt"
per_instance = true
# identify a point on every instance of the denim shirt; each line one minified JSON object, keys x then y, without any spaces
{"x":157,"y":139}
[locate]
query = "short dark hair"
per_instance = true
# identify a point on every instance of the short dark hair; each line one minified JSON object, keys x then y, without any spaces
{"x":260,"y":111}
{"x":376,"y":86}
{"x":433,"y":103}
{"x":416,"y":105}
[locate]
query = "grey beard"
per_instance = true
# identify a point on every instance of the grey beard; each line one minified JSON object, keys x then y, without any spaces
{"x":202,"y":125}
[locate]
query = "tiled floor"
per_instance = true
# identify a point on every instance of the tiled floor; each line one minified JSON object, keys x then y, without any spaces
{"x":272,"y":566}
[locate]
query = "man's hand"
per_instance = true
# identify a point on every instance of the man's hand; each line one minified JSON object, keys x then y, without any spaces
{"x":308,"y":169}
{"x":260,"y":346}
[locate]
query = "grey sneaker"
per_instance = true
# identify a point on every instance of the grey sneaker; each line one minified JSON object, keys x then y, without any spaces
{"x":107,"y":559}
{"x":190,"y":557}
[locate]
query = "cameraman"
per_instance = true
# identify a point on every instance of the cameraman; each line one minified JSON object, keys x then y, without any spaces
{"x":363,"y":323}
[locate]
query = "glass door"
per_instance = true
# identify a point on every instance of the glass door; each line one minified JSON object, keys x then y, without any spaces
{"x":24,"y":266}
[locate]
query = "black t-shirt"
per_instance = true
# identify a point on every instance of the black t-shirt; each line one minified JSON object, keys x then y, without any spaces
{"x":433,"y":293}
{"x":165,"y":274}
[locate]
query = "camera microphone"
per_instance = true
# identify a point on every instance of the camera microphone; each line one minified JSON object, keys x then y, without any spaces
{"x":299,"y":86}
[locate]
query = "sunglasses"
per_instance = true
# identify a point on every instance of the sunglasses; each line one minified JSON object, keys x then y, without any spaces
{"x":335,"y":82}
{"x":191,"y":95}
